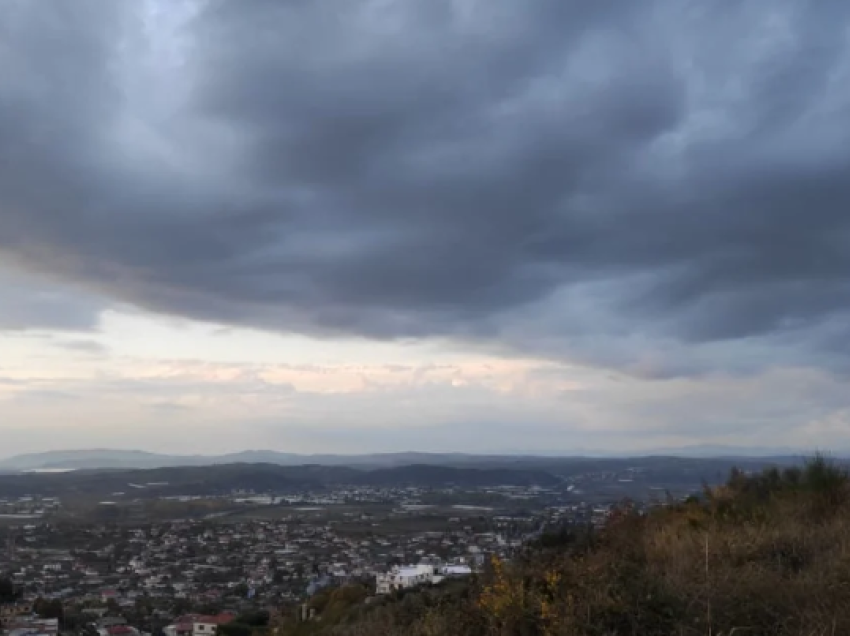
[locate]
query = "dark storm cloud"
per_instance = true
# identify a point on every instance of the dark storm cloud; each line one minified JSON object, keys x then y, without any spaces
{"x":674,"y":170}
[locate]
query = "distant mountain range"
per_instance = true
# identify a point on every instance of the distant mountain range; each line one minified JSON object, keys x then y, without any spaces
{"x":109,"y":458}
{"x":719,"y":450}
{"x":134,"y":459}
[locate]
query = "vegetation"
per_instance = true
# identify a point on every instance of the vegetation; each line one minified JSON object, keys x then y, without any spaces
{"x":48,"y":608}
{"x":247,"y":624}
{"x":765,"y":554}
{"x":8,"y":592}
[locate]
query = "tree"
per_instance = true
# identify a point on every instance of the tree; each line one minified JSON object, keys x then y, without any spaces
{"x":241,"y":590}
{"x":235,"y":629}
{"x":8,"y":593}
{"x":73,"y":621}
{"x":181,"y":606}
{"x":48,"y":609}
{"x":209,"y":609}
{"x":255,"y":619}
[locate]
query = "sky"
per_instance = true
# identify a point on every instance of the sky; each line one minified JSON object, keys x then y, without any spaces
{"x":486,"y":226}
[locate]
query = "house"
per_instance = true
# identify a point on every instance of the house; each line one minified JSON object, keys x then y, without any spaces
{"x":400,"y":578}
{"x":456,"y":570}
{"x":11,"y":612}
{"x":198,"y":625}
{"x":32,"y":626}
{"x":106,"y":595}
{"x":118,"y":630}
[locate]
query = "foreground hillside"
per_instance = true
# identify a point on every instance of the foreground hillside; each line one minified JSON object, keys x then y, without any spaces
{"x":761,"y":555}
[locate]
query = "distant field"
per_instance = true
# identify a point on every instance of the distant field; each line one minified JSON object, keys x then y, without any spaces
{"x":381,"y":520}
{"x":305,"y":511}
{"x":409,"y":524}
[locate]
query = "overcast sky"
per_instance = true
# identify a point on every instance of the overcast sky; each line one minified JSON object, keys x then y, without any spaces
{"x":376,"y":225}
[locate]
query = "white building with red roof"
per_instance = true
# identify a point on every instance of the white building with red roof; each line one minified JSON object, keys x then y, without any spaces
{"x":198,"y":624}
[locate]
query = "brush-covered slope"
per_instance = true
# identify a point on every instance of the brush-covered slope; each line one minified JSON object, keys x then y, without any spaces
{"x":762,"y":555}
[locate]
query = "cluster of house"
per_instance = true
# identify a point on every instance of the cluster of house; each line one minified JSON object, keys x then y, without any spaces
{"x":28,"y":507}
{"x":19,"y":619}
{"x":114,"y":626}
{"x":156,"y":572}
{"x":210,"y":562}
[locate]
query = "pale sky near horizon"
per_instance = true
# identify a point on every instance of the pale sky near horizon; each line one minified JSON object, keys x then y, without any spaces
{"x":381,"y":225}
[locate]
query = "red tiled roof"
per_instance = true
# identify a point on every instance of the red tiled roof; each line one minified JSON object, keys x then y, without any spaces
{"x":219,"y":619}
{"x":187,"y":618}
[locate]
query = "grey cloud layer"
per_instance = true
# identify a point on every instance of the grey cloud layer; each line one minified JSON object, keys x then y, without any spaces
{"x":27,"y":304}
{"x":545,"y":172}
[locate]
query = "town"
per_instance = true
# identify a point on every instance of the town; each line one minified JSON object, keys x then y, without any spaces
{"x":195,"y":551}
{"x":248,"y":552}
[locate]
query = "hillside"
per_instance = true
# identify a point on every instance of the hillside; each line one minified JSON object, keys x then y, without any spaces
{"x":762,"y":555}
